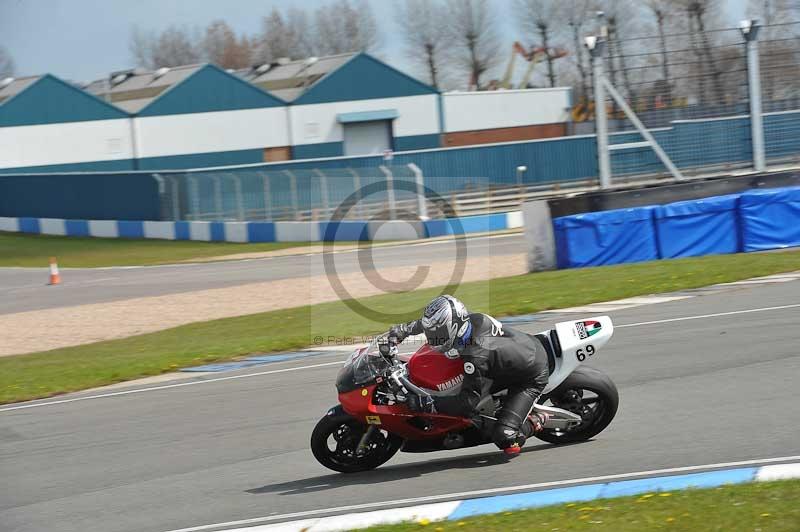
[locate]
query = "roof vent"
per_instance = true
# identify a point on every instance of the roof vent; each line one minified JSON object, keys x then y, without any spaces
{"x":284,"y":60}
{"x":262,"y":69}
{"x":119,"y":78}
{"x":160,"y":72}
{"x":6,"y":82}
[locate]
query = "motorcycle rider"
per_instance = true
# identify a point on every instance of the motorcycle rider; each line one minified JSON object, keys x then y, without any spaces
{"x":495,"y":358}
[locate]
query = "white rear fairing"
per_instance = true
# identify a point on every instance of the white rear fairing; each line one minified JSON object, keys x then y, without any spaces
{"x":580,"y":340}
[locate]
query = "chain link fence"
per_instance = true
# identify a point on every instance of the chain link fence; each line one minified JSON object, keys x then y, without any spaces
{"x":692,"y":91}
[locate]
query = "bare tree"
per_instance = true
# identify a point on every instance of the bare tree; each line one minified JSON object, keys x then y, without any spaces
{"x":343,"y":27}
{"x":700,"y":12}
{"x":575,"y":14}
{"x":541,"y":17}
{"x":274,"y":40}
{"x":6,"y":63}
{"x":172,"y":47}
{"x":661,"y":10}
{"x":424,"y":35}
{"x":300,"y":33}
{"x":474,"y":37}
{"x":223,"y":48}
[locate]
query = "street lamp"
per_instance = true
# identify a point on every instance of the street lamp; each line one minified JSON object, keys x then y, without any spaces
{"x":520,"y":170}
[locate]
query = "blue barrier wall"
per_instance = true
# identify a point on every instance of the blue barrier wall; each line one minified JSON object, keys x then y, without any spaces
{"x":607,"y":237}
{"x":80,"y":196}
{"x":752,"y":221}
{"x":770,"y":218}
{"x":698,"y":227}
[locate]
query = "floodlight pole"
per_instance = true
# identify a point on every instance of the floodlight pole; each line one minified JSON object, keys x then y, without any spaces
{"x":596,"y":47}
{"x":749,"y":29}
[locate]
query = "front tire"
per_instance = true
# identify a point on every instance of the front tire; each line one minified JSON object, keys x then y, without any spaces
{"x":336,"y":437}
{"x":589,"y":393}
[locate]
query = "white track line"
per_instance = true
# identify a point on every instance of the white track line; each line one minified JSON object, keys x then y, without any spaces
{"x":702,"y":316}
{"x":491,"y":491}
{"x":257,"y":374}
{"x":167,"y":386}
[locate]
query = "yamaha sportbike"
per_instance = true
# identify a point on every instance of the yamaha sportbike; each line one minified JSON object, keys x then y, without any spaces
{"x":373,"y":420}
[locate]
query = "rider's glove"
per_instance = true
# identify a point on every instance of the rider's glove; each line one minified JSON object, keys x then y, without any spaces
{"x":398,"y":333}
{"x":423,"y":403}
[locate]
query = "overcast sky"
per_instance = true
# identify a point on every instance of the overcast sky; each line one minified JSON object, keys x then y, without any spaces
{"x":84,"y":40}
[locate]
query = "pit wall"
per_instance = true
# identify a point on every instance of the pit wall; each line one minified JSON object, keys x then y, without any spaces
{"x":266,"y":231}
{"x":755,"y":220}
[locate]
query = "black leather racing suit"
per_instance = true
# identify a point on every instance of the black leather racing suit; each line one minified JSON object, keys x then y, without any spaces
{"x":496,"y":358}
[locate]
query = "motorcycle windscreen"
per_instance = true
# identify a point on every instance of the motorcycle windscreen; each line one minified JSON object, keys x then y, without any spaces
{"x":361,"y":370}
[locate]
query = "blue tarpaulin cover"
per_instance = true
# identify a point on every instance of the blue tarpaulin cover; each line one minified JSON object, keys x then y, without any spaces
{"x":698,"y":227}
{"x":606,"y":237}
{"x":770,"y":218}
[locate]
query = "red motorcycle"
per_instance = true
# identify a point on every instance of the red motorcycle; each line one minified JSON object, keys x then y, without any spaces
{"x":373,"y":421}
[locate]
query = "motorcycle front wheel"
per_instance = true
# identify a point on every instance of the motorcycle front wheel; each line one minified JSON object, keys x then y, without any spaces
{"x":591,"y":394}
{"x":336,"y":437}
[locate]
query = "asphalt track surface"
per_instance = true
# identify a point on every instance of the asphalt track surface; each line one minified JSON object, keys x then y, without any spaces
{"x":24,"y":289}
{"x":697,"y":391}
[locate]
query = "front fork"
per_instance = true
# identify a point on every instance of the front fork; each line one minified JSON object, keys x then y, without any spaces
{"x":364,"y":441}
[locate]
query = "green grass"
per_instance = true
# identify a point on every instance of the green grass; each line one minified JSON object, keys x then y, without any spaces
{"x":75,"y":252}
{"x":762,"y":506}
{"x":43,"y":374}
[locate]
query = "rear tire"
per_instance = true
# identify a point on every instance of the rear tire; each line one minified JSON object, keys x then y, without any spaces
{"x":597,"y":414}
{"x":346,"y":431}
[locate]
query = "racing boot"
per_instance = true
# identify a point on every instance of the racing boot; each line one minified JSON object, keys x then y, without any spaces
{"x":535,"y":424}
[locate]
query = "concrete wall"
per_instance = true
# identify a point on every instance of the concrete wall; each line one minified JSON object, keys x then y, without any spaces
{"x":66,"y":143}
{"x":315,"y":131}
{"x":470,"y":111}
{"x":247,"y":129}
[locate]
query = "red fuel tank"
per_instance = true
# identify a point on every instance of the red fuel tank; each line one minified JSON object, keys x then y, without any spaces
{"x":432,"y":370}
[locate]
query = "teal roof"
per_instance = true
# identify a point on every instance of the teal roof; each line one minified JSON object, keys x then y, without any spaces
{"x":50,"y":100}
{"x":363,"y":78}
{"x":209,"y":89}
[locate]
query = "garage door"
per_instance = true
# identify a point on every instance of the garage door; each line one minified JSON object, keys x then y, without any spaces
{"x":367,"y":138}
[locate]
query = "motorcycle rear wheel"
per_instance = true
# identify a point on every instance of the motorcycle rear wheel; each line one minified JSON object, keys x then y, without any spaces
{"x":598,"y":407}
{"x":345,"y":432}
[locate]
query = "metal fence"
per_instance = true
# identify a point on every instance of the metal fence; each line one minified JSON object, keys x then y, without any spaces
{"x":713,"y":100}
{"x":710,"y":101}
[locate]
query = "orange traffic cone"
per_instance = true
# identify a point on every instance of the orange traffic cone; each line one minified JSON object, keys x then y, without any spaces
{"x":55,"y":277}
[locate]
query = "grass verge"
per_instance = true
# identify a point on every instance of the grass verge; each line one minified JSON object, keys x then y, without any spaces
{"x":761,"y":506}
{"x":77,"y":252}
{"x":48,"y":373}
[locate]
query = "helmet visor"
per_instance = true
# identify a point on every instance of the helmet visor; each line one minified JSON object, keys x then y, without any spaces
{"x":440,"y":338}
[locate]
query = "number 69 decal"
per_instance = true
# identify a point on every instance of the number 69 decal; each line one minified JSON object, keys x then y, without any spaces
{"x":581,"y":354}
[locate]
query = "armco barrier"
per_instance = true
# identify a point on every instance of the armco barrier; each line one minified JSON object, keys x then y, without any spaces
{"x":609,"y":237}
{"x":700,"y":227}
{"x":265,"y":231}
{"x":752,"y":221}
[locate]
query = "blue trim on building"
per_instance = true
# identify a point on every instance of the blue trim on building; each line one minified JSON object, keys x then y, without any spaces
{"x":120,"y":165}
{"x":130,"y":229}
{"x":200,"y":160}
{"x":347,"y":83}
{"x":76,"y":227}
{"x":210,"y":89}
{"x":367,"y":116}
{"x":417,"y":142}
{"x":50,"y":100}
{"x":314,"y":151}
